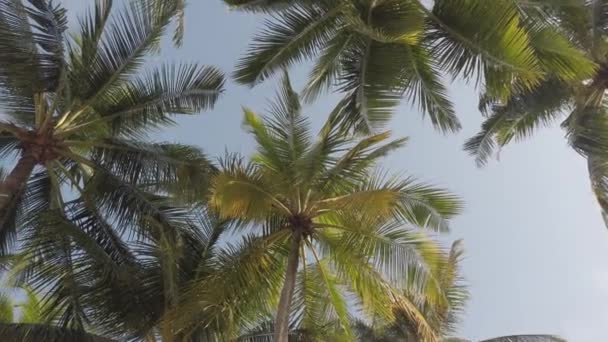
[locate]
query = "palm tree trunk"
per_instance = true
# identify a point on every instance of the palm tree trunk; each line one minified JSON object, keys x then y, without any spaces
{"x":15,"y":183}
{"x":281,"y":326}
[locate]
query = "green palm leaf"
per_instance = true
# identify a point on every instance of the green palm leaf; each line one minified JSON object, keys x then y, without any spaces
{"x":519,"y":118}
{"x":291,"y":37}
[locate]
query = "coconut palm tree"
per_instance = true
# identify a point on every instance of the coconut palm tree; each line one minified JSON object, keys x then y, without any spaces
{"x":581,"y":106}
{"x":442,"y":303}
{"x":323,"y":200}
{"x":75,"y":110}
{"x":377,"y":51}
{"x":25,"y":321}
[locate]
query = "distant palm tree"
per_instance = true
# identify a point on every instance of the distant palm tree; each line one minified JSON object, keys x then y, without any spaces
{"x":442,"y":304}
{"x":582,"y":106}
{"x":75,"y":111}
{"x":378,"y":51}
{"x":24,"y":321}
{"x":323,"y":201}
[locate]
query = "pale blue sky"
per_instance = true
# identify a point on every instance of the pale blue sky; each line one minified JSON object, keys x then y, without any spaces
{"x":537,"y":249}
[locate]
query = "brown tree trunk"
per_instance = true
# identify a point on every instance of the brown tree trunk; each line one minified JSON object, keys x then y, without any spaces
{"x":14,"y":184}
{"x":281,"y":325}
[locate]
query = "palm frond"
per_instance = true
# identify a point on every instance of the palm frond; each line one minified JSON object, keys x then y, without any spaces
{"x":327,"y":68}
{"x":244,"y":287}
{"x":180,"y":20}
{"x":148,"y":102}
{"x":572,"y":17}
{"x":598,"y":174}
{"x":97,"y":228}
{"x":357,"y":161}
{"x":392,"y":21}
{"x":331,"y":139}
{"x":427,"y":206}
{"x":63,"y":300}
{"x":291,"y":36}
{"x":355,"y":268}
{"x":473,"y":37}
{"x":519,"y":117}
{"x":50,"y":23}
{"x":132,"y":207}
{"x":417,"y":204}
{"x":482,"y":145}
{"x":289,"y":128}
{"x":116,"y":54}
{"x":337,"y":306}
{"x":375,"y":294}
{"x":33,"y":59}
{"x":34,"y":55}
{"x":587,"y":124}
{"x":82,"y":275}
{"x":557,"y":56}
{"x":393,"y":250}
{"x":371,"y":85}
{"x":91,"y":30}
{"x":239,"y":191}
{"x":183,"y":170}
{"x":456,"y":290}
{"x":33,"y":200}
{"x":423,"y":86}
{"x":444,"y":295}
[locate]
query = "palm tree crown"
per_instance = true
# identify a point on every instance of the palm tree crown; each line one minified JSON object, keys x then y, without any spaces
{"x":323,"y":199}
{"x":76,"y":110}
{"x":582,"y":105}
{"x":378,"y":51}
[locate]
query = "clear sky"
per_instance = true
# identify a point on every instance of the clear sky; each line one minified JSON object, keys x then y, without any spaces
{"x":537,"y":249}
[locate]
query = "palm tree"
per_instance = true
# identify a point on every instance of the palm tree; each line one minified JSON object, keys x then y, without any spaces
{"x":581,"y":105}
{"x":442,"y":304}
{"x":324,"y":202}
{"x":24,"y":321}
{"x":378,"y":51}
{"x":76,"y":110}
